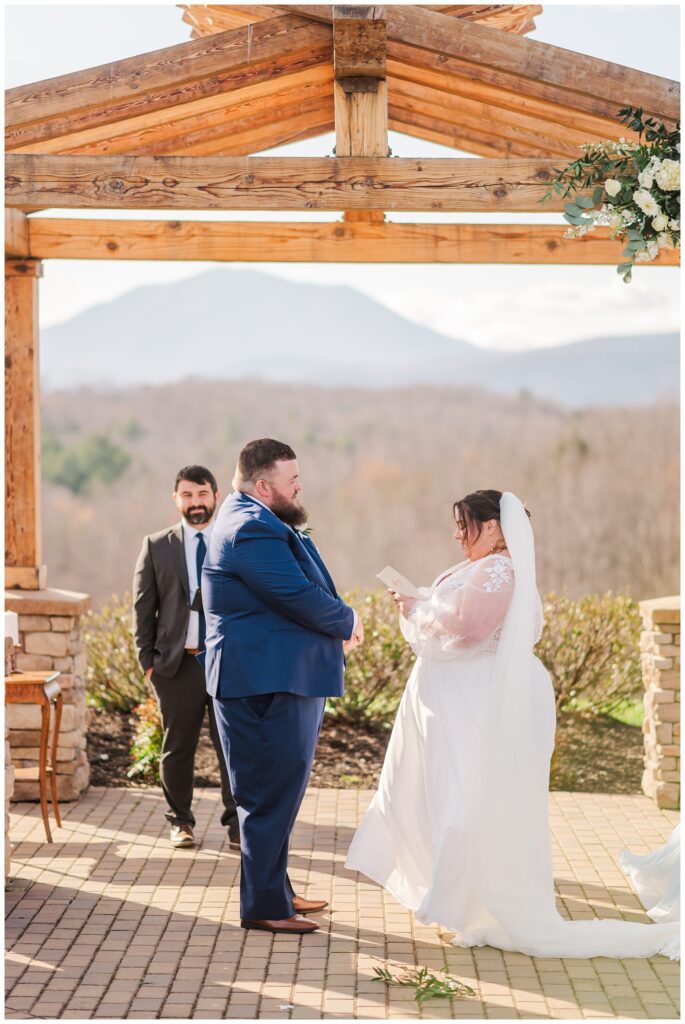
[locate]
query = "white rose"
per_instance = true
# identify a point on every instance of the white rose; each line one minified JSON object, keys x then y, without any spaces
{"x":668,"y":176}
{"x":612,"y":187}
{"x":646,"y":202}
{"x":646,"y":178}
{"x":660,"y":222}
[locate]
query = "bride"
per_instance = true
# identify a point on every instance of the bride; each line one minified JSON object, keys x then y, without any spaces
{"x":458,"y":830}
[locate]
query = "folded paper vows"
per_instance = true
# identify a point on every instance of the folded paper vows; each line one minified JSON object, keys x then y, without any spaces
{"x":394,"y":580}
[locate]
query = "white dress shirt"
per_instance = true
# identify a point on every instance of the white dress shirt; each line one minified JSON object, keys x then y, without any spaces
{"x":190,"y":547}
{"x":356,"y":617}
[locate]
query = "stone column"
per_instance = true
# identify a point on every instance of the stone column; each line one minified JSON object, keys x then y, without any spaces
{"x":50,"y":636}
{"x":660,"y":657}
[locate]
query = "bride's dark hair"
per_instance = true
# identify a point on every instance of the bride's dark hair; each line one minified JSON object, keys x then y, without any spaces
{"x":477,"y":508}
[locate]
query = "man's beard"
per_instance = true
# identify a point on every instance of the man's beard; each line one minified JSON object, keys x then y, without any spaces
{"x":199,"y":515}
{"x":288,"y":512}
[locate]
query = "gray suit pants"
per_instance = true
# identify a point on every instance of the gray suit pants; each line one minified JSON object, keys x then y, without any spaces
{"x":182,"y":701}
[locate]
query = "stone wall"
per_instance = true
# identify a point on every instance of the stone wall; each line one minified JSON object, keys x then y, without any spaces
{"x":50,"y":637}
{"x":660,"y":655}
{"x":9,"y":770}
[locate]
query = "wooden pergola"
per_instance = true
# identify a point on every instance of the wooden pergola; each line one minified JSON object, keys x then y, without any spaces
{"x":174,"y":130}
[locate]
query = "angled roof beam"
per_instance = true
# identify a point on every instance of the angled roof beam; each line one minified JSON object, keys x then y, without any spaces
{"x":164,"y":78}
{"x":587,"y":78}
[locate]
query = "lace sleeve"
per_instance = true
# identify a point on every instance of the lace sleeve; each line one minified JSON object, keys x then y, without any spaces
{"x":461,"y":613}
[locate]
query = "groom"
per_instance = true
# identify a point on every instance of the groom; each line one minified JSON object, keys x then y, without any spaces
{"x":276,"y":635}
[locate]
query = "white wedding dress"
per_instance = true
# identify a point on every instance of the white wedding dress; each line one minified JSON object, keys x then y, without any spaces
{"x":458,"y":830}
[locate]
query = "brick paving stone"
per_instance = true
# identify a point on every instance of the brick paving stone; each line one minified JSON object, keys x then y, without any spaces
{"x":110,"y":922}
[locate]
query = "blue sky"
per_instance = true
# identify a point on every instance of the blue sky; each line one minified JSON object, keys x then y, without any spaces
{"x":491,"y":306}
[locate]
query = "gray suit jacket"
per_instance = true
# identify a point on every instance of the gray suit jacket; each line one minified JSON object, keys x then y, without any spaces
{"x":161,"y":601}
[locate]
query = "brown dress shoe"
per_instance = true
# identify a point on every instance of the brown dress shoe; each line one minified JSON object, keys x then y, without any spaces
{"x":296,"y":925}
{"x":303,"y":906}
{"x":181,"y":835}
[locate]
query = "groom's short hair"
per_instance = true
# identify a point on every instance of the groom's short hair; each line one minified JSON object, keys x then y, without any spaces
{"x":196,"y":475}
{"x":259,"y":457}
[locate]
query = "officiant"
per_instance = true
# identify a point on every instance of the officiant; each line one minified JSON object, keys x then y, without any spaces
{"x":169,"y":629}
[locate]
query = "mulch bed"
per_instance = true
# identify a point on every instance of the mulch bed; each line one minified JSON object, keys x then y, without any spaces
{"x":593,"y":754}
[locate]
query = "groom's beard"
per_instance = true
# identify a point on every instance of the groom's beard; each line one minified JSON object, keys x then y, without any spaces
{"x":198,"y":515}
{"x":289,"y":513}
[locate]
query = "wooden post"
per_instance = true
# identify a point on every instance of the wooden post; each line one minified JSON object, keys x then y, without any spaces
{"x":23,"y":569}
{"x":360,"y":90}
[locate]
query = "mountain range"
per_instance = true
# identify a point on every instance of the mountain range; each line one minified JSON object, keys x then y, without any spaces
{"x":228,"y":324}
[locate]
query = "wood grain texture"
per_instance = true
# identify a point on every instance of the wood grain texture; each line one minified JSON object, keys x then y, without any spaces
{"x":165,"y":78}
{"x":275,"y":183}
{"x":160,"y":126}
{"x":348,"y":242}
{"x":16,"y":234}
{"x":22,"y":419}
{"x":592,"y":82}
{"x":359,"y":42}
{"x":26,"y":577}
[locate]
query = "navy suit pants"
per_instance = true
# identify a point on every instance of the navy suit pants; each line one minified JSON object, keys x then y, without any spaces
{"x":269,"y":741}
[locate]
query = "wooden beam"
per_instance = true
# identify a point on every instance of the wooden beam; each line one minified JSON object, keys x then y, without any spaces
{"x":361,"y":113}
{"x":26,"y":577}
{"x":160,"y":126}
{"x":16,"y":233}
{"x":359,"y":42}
{"x":498,"y":99}
{"x":277,"y":183}
{"x":512,"y":133}
{"x":587,"y":79}
{"x":165,"y":78}
{"x":247,"y":241}
{"x":22,"y":419}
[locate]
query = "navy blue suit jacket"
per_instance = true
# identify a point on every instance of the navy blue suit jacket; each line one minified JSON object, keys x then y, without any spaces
{"x":274,"y":620}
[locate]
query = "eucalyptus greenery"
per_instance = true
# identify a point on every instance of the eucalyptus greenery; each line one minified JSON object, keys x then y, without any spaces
{"x":425,"y":984}
{"x":631,"y":187}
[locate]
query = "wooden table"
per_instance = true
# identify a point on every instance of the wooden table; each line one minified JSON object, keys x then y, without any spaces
{"x":43,"y":689}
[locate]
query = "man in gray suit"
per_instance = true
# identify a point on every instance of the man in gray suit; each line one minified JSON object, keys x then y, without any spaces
{"x":169,"y":628}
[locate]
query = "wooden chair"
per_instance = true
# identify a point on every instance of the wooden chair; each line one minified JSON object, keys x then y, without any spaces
{"x":43,"y":689}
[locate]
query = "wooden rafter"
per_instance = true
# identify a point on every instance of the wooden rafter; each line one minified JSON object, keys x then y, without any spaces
{"x":349,"y":242}
{"x":592,"y":82}
{"x":164,"y":79}
{"x":276,"y":183}
{"x":207,"y":19}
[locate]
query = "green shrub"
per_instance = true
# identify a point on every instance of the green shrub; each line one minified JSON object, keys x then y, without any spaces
{"x":591,"y":648}
{"x":378,"y":670}
{"x":114,"y":678}
{"x":146,"y":748}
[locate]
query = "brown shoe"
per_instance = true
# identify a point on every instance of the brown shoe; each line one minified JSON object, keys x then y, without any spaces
{"x":303,"y":906}
{"x":296,"y":925}
{"x":181,"y":835}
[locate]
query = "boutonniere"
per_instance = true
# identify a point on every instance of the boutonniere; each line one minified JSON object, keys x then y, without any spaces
{"x":305,"y":531}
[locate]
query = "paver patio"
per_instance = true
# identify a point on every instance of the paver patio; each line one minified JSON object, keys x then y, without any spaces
{"x":109,"y":922}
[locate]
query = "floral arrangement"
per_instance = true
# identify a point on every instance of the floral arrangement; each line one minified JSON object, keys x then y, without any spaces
{"x":636,"y":190}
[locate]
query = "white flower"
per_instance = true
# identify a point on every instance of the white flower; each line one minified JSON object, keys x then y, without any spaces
{"x":616,"y":222}
{"x":612,"y":187}
{"x":646,"y":178}
{"x":668,"y":176}
{"x":674,"y":225}
{"x":660,"y":222}
{"x":646,"y":202}
{"x":665,"y":241}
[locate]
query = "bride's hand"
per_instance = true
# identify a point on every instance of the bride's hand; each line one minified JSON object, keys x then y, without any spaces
{"x":404,"y":603}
